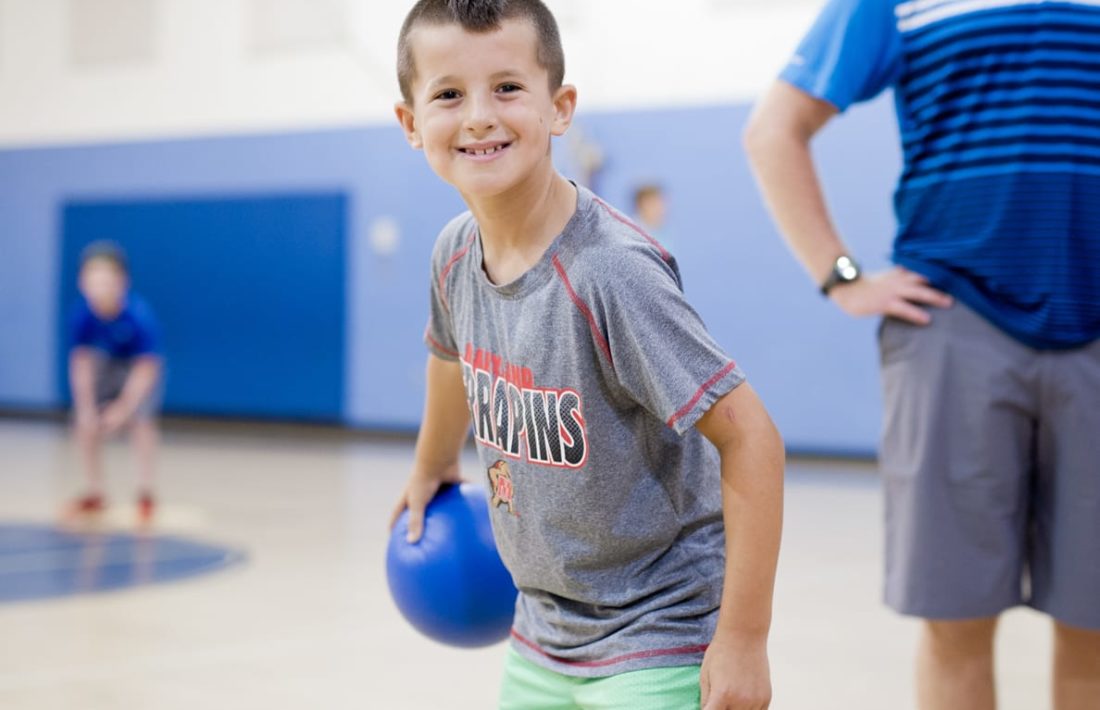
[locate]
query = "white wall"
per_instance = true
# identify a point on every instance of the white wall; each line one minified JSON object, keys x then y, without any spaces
{"x":74,"y":73}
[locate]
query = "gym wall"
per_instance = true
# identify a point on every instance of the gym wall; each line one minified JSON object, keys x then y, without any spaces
{"x":217,"y":129}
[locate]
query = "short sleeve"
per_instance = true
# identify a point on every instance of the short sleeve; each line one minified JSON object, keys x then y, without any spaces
{"x":147,"y":332}
{"x":453,"y":244}
{"x":80,"y":326}
{"x":851,"y":53}
{"x":439,"y":335}
{"x":661,"y":352}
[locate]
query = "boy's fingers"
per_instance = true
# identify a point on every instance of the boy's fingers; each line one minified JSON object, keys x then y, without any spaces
{"x":416,"y":524}
{"x":397,"y":511}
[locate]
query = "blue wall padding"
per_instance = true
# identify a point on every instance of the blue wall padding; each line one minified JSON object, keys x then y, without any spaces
{"x":815,"y":368}
{"x":249,"y":293}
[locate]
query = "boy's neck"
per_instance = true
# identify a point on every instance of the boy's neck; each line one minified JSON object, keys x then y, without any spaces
{"x":518,"y":227}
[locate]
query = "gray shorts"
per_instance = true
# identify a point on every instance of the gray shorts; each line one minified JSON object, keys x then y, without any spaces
{"x":110,"y":378}
{"x":991,"y":460}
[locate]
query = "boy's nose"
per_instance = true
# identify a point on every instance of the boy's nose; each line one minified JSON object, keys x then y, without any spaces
{"x":480,"y":116}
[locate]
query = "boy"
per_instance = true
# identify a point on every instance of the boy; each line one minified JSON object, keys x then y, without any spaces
{"x":651,"y":210}
{"x":562,"y":329}
{"x":115,"y":373}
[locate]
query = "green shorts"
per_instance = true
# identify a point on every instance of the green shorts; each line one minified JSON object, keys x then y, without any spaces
{"x":527,"y":686}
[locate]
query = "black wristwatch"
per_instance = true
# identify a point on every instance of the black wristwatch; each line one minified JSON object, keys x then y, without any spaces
{"x":845,"y":271}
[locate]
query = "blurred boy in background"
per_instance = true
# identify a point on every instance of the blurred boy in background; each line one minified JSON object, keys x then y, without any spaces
{"x":651,"y":212}
{"x":115,"y":372}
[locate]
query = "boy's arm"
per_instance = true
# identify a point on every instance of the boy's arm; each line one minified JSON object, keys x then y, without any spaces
{"x":777,"y":140}
{"x":735,"y":670}
{"x":139,"y":384}
{"x":82,"y":380}
{"x":443,"y":432}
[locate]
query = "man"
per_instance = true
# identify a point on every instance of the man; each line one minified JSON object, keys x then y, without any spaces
{"x":990,"y":350}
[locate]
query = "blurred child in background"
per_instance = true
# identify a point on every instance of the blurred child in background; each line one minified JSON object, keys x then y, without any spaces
{"x":115,"y":372}
{"x":651,"y":212}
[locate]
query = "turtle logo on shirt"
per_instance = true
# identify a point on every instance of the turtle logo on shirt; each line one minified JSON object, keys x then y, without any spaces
{"x":500,"y":478}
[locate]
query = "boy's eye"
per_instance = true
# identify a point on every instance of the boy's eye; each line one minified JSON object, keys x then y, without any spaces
{"x":508,"y":88}
{"x":447,"y":95}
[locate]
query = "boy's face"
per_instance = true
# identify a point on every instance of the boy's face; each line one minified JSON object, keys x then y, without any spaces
{"x":651,"y":209}
{"x":104,"y":286}
{"x":481,"y":106}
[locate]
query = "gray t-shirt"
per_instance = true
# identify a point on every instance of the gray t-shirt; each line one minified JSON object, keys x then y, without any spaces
{"x":584,"y":378}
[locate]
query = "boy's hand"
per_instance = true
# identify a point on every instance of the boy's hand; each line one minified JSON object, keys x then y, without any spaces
{"x":114,"y":418}
{"x":418,"y":493}
{"x":87,"y":417}
{"x":735,"y":676}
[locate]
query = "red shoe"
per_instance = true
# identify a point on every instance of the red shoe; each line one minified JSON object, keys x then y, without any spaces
{"x":89,"y":504}
{"x":146,"y":505}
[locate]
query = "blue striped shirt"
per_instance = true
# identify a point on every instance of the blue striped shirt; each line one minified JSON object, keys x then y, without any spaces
{"x":998,"y":104}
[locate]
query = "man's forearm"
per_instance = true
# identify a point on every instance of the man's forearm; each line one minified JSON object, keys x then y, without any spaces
{"x":778,"y":145}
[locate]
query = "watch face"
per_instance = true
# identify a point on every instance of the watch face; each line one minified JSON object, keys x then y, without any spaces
{"x":846,"y":269}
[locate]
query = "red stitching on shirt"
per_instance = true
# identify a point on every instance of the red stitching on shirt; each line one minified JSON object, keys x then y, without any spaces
{"x":583,"y":308}
{"x":664,"y":252}
{"x":439,"y":346}
{"x":450,"y":265}
{"x":699,"y":394}
{"x":681,"y":651}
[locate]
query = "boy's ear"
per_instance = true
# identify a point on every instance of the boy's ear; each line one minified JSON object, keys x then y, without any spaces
{"x":408,"y":124}
{"x":565,"y":105}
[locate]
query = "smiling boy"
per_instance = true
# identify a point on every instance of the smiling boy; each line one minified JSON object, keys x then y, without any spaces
{"x":640,"y":515}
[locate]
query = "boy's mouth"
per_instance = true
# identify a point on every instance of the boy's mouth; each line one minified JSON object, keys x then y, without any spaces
{"x":484,"y":151}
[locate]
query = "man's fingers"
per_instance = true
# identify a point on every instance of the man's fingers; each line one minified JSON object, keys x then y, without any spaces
{"x":917,"y":289}
{"x":912,"y":276}
{"x":928,"y":295}
{"x":900,"y":308}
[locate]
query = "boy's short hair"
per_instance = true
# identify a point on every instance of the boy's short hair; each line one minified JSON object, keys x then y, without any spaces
{"x":482,"y":16}
{"x":645,"y":191}
{"x":107,"y":251}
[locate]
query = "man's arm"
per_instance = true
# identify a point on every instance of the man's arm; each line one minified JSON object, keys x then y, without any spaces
{"x":735,"y":670}
{"x":443,"y":432}
{"x":777,"y":140}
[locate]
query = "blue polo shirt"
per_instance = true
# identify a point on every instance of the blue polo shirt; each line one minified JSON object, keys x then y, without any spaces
{"x":998,"y":105}
{"x":132,"y":333}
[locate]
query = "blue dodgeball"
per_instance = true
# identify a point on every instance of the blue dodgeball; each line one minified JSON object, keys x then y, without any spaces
{"x":451,"y":585}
